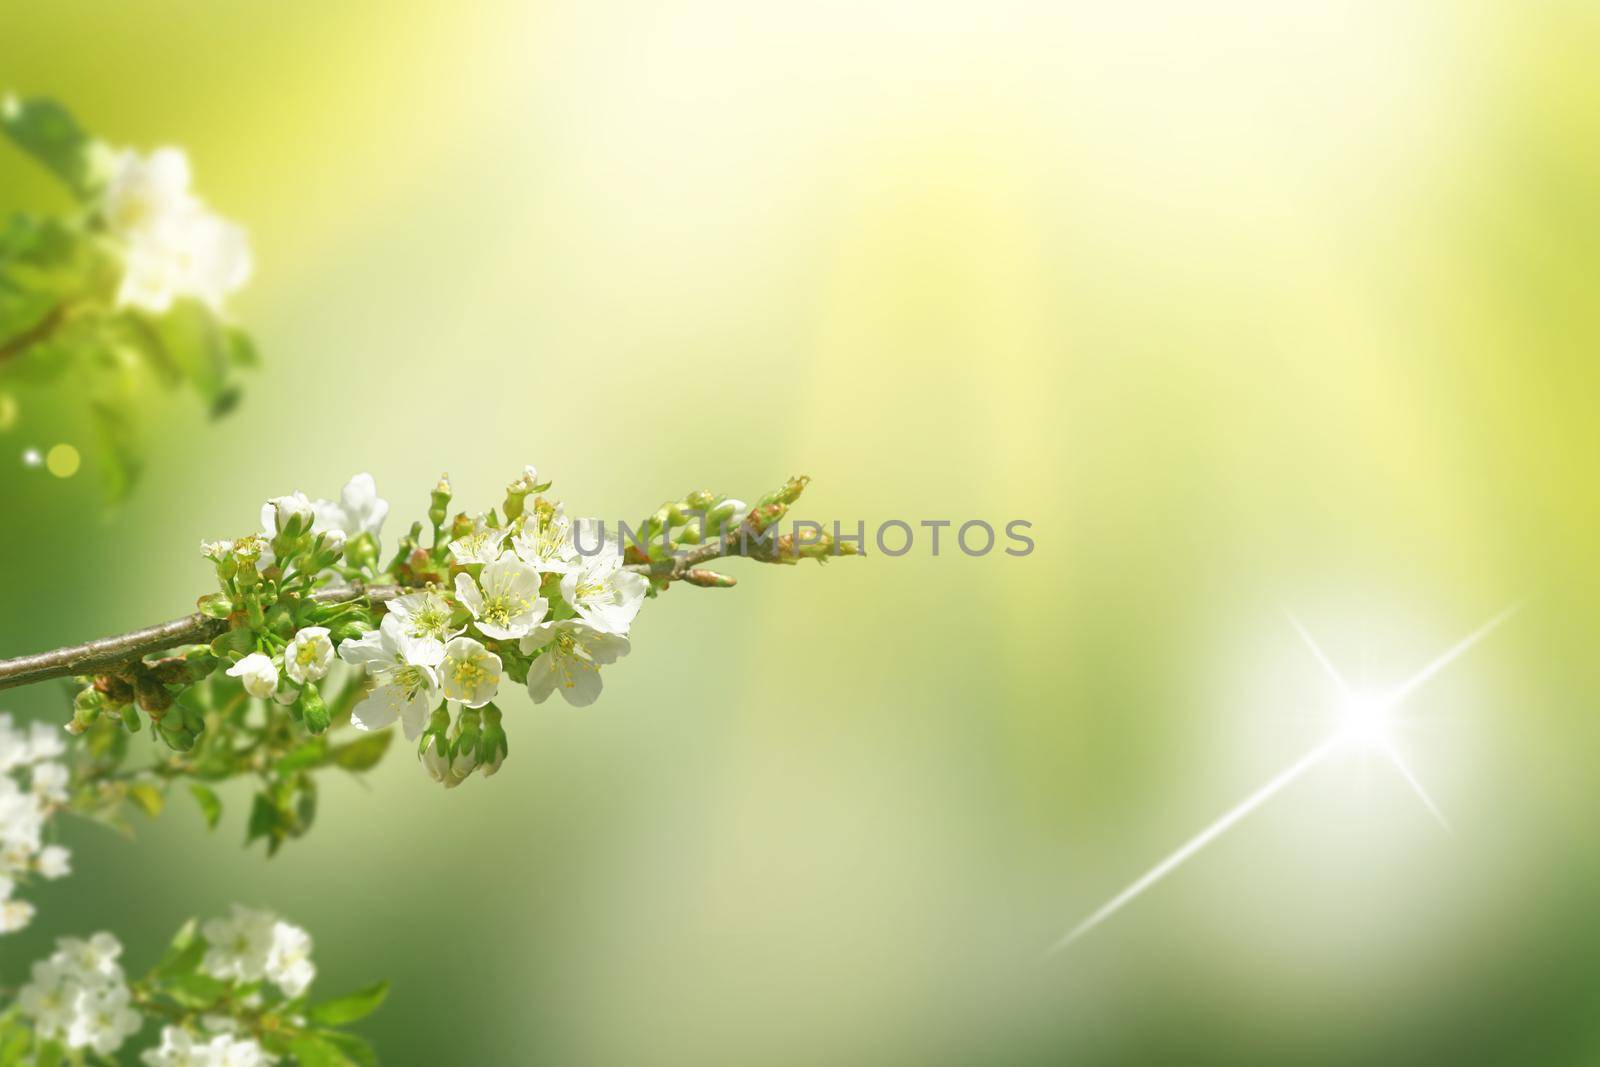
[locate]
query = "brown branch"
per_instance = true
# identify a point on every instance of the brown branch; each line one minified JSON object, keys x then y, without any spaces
{"x":39,"y":331}
{"x":98,"y":657}
{"x":108,"y":653}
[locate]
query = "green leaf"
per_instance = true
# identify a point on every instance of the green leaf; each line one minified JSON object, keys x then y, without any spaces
{"x":121,"y":454}
{"x":193,"y":989}
{"x":47,"y":132}
{"x":316,"y":1050}
{"x":265,"y":821}
{"x":357,"y":1050}
{"x":308,"y":754}
{"x":350,"y":1007}
{"x":241,"y":349}
{"x":149,"y":798}
{"x":184,"y":952}
{"x":49,"y":1055}
{"x":192,"y":344}
{"x":210,"y":803}
{"x":364,"y":752}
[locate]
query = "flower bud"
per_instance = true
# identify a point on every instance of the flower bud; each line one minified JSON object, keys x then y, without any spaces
{"x":291,"y":515}
{"x":362,"y":551}
{"x":86,"y":708}
{"x":439,"y":502}
{"x":314,"y":712}
{"x":525,"y":483}
{"x":130,"y":718}
{"x":492,"y":745}
{"x":328,"y":549}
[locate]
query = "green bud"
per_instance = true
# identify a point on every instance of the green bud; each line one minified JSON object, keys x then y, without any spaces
{"x":439,"y":508}
{"x":362,"y":551}
{"x":788,"y":494}
{"x":699,"y":500}
{"x":313,"y":710}
{"x":492,"y":745}
{"x":130,"y":718}
{"x":86,"y":708}
{"x":215,"y":606}
{"x":525,"y":483}
{"x":345,"y":631}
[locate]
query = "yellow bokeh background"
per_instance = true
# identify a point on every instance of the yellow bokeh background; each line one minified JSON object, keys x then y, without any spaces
{"x":1246,"y":307}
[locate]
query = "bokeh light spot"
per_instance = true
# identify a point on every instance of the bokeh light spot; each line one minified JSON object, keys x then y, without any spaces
{"x":63,"y":461}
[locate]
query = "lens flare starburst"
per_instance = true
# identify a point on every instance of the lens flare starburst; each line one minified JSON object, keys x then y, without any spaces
{"x":1365,"y":719}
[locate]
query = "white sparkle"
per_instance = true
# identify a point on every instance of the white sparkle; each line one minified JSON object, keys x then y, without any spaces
{"x":1365,"y":720}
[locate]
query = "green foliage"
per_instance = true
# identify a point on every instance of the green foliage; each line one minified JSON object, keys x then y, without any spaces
{"x":78,"y":318}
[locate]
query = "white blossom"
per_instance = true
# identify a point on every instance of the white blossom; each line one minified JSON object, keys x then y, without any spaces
{"x":173,"y":246}
{"x":54,"y":861}
{"x":258,"y":673}
{"x":470,"y":672}
{"x":79,"y":996}
{"x":602,"y":592}
{"x":45,"y":742}
{"x":425,"y":615}
{"x":404,"y":672}
{"x":545,"y":542}
{"x":573,"y":653}
{"x":180,"y":1048}
{"x":359,"y":509}
{"x":288,"y":964}
{"x":15,"y":915}
{"x":482,"y":545}
{"x":504,"y":601}
{"x":237,"y":947}
{"x":309,"y":655}
{"x":48,"y":782}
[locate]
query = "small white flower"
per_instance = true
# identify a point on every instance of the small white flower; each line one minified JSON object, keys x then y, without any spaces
{"x":15,"y":915}
{"x":605,"y":595}
{"x":54,"y":861}
{"x":471,"y":673}
{"x":259,"y":675}
{"x":177,"y":1049}
{"x":360,"y":510}
{"x":45,"y":741}
{"x":309,"y":655}
{"x":237,"y":947}
{"x":545,"y":543}
{"x":145,"y":194}
{"x":403,"y":669}
{"x":482,"y":545}
{"x":289,"y":965}
{"x":425,"y":614}
{"x":48,"y":782}
{"x":504,"y":601}
{"x":573,"y":654}
{"x":173,"y":246}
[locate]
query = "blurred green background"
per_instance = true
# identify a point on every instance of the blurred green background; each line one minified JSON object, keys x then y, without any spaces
{"x":1246,"y":306}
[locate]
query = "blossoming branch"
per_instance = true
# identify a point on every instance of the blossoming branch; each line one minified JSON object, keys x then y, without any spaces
{"x":309,"y":631}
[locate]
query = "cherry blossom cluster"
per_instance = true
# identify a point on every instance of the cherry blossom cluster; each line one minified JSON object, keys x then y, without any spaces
{"x":497,"y":596}
{"x":231,"y":992}
{"x":33,"y":786}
